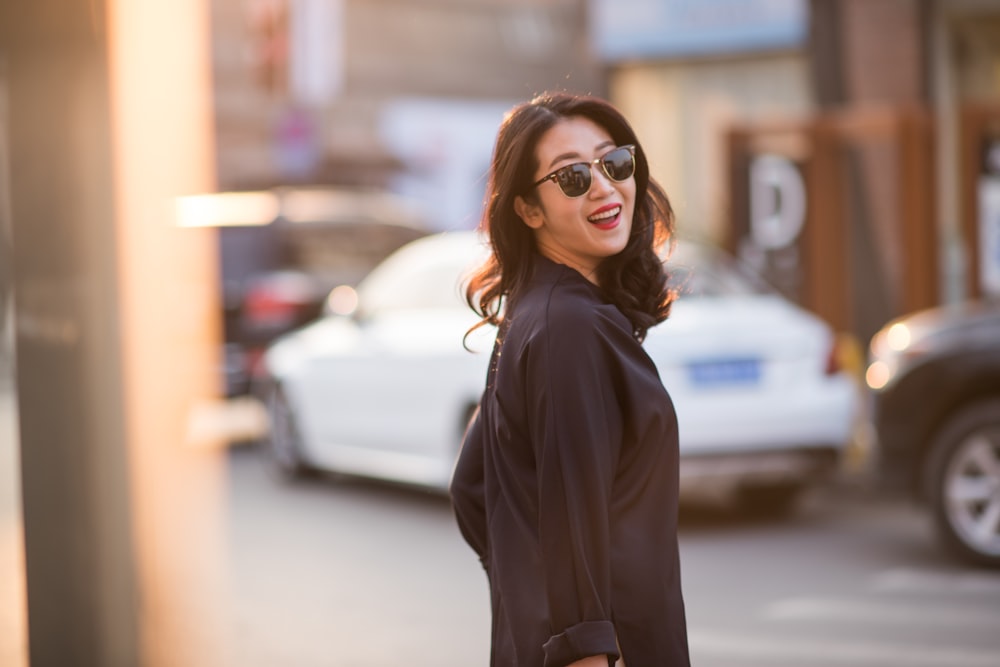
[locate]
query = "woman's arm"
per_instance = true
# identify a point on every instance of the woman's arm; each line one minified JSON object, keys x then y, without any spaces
{"x":576,"y":427}
{"x":467,"y":489}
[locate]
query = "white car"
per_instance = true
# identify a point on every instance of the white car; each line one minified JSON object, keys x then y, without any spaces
{"x":385,"y":389}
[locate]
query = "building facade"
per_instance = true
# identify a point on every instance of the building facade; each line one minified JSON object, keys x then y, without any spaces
{"x":685,"y":72}
{"x":847,"y":148}
{"x":386,"y":93}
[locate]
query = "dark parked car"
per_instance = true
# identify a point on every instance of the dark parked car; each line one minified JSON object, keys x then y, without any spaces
{"x":276,"y":277}
{"x":935,"y":381}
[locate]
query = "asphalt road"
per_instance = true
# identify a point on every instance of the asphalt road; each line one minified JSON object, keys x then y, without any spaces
{"x":333,"y":572}
{"x":329,"y":572}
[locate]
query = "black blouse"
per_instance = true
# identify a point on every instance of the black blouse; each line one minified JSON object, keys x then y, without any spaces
{"x":566,"y":485}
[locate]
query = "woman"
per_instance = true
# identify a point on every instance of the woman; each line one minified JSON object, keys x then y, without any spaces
{"x":566,"y":485}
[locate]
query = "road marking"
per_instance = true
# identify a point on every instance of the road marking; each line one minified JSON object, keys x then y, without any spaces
{"x":931,"y":581}
{"x":809,"y":609}
{"x":712,"y":643}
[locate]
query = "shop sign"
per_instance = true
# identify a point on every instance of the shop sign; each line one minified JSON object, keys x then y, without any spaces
{"x":642,"y":29}
{"x":777,"y":201}
{"x":776,"y":215}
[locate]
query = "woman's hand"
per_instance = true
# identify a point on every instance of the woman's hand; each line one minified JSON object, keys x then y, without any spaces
{"x":592,"y":661}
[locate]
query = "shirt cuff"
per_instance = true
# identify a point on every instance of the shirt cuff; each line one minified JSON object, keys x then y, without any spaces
{"x":581,"y":641}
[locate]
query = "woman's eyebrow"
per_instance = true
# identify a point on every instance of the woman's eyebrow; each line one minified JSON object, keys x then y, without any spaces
{"x":565,"y":156}
{"x":574,"y":154}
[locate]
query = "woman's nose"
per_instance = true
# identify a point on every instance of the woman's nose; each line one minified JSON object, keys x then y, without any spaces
{"x":602,"y":185}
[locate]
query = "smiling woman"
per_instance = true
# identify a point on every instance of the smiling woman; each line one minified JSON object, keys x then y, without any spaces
{"x":571,"y":228}
{"x":567,"y":483}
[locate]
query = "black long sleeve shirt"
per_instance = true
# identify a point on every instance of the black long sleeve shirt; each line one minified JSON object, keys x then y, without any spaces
{"x":566,"y":485}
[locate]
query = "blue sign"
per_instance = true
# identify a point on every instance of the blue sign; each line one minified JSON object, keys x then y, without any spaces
{"x":642,"y":29}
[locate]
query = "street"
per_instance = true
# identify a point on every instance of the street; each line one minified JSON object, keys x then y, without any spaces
{"x":335,"y":572}
{"x":330,"y":572}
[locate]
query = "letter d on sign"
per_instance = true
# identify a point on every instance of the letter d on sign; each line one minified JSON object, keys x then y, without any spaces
{"x":777,"y":201}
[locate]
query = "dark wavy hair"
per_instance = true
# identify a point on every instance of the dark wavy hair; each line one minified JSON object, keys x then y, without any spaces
{"x":634,"y":280}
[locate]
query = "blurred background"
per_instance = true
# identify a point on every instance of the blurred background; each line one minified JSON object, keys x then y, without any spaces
{"x":184,"y":184}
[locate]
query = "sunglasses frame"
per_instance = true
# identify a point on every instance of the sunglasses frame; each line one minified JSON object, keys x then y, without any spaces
{"x":590,"y":166}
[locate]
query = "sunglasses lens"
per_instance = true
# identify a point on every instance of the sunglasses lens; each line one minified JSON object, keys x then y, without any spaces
{"x":574,"y":179}
{"x":618,"y":164}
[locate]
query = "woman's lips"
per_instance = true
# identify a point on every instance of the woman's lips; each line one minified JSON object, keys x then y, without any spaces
{"x":606,"y":217}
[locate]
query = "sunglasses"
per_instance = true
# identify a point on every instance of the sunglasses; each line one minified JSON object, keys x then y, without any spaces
{"x":575,"y":179}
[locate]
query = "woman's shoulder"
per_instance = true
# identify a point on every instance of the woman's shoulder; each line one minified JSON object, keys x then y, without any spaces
{"x":560,"y":301}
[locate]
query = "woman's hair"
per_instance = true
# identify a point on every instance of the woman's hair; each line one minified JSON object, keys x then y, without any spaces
{"x":634,"y":280}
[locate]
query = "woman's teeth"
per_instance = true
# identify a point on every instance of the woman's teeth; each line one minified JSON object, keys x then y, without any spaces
{"x":604,"y":216}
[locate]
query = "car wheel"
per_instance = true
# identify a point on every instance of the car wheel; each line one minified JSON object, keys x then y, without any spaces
{"x":284,"y":444}
{"x":964,"y":476}
{"x":769,"y":500}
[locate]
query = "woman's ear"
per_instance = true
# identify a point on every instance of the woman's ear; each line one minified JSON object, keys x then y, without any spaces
{"x":530,"y":214}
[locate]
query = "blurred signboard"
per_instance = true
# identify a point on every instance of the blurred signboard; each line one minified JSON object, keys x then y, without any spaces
{"x":770,"y":230}
{"x":637,"y":29}
{"x":837,"y":213}
{"x":316,"y":52}
{"x":777,"y":201}
{"x":297,"y":48}
{"x":989,"y":219}
{"x":445,"y":146}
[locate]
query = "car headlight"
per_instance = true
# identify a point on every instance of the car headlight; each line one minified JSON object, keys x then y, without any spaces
{"x":889,"y":349}
{"x":879,"y":373}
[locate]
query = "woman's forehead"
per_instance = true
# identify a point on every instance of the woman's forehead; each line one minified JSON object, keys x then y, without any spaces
{"x":575,"y":136}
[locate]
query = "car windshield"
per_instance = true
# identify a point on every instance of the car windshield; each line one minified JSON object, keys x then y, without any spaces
{"x":420,"y":277}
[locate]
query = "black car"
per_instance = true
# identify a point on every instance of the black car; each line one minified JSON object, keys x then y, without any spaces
{"x":935,"y":381}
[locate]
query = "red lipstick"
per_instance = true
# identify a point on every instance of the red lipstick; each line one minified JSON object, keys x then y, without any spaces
{"x":606,"y":217}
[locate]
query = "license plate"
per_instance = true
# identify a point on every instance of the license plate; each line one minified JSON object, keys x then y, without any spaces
{"x":724,"y":372}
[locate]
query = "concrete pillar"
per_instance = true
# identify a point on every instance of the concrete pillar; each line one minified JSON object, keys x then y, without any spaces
{"x":109,"y":119}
